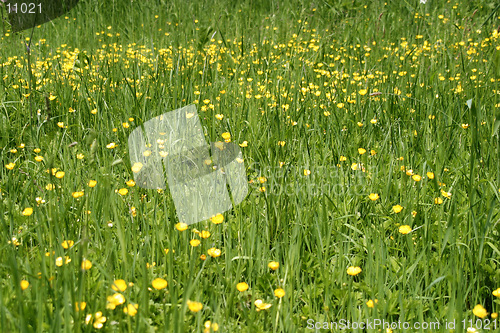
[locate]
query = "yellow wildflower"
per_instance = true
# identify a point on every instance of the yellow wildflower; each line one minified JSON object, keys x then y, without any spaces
{"x":242,"y":286}
{"x":279,"y":293}
{"x":159,"y":283}
{"x":404,"y":229}
{"x":119,"y":285}
{"x":274,"y":265}
{"x":24,"y":284}
{"x":352,"y":270}
{"x":194,"y":306}
{"x":131,"y":309}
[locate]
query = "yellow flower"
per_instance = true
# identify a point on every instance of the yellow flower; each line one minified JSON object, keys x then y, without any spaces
{"x":59,"y":261}
{"x":125,"y":125}
{"x":131,"y":309}
{"x":479,"y":311}
{"x":60,"y":124}
{"x":446,"y":194}
{"x":219,"y":116}
{"x":14,"y":241}
{"x":209,"y":325}
{"x":10,"y":166}
{"x":219,"y":145}
{"x":123,"y":191}
{"x":98,"y":320}
{"x":86,"y":264}
{"x":373,"y":121}
{"x":77,"y":195}
{"x":111,"y":145}
{"x":274,"y":265}
{"x":194,"y":242}
{"x":214,"y":252}
{"x":414,"y":213}
{"x":159,"y":283}
{"x":37,"y":150}
{"x":279,"y":293}
{"x":194,"y":306}
{"x":361,"y":151}
{"x":27,"y":211}
{"x":363,"y":92}
{"x":119,"y":285}
{"x":397,"y":208}
{"x":92,"y":183}
{"x":496,"y":292}
{"x":260,"y":305}
{"x":242,"y":286}
{"x":226,"y":136}
{"x":465,"y":126}
{"x":217,"y":219}
{"x":374,"y":196}
{"x":404,"y":229}
{"x":137,"y":167}
{"x":438,"y":201}
{"x":181,"y":226}
{"x":130,"y":183}
{"x":205,"y":234}
{"x":244,"y":144}
{"x":340,"y":105}
{"x":24,"y":284}
{"x":342,"y":158}
{"x":416,"y":178}
{"x":38,"y":158}
{"x":67,"y":244}
{"x":307,"y":172}
{"x":115,"y":300}
{"x":351,"y":270}
{"x":59,"y":174}
{"x":370,"y":303}
{"x":147,"y":153}
{"x":80,"y":306}
{"x":430,"y":175}
{"x":262,"y":180}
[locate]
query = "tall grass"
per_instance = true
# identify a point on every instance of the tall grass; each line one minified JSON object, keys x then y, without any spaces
{"x":305,"y":84}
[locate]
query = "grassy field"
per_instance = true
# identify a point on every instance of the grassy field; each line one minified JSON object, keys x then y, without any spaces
{"x":370,"y":133}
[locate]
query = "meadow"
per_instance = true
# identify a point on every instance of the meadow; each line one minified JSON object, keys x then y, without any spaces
{"x":370,"y":132}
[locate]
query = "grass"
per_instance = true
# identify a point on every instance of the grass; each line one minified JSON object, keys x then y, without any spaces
{"x":306,"y":85}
